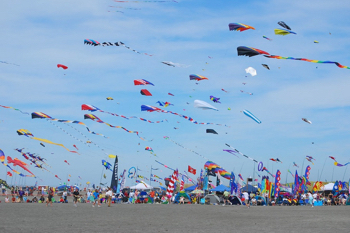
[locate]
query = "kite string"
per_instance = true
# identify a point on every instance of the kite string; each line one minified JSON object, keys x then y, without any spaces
{"x":168,"y":138}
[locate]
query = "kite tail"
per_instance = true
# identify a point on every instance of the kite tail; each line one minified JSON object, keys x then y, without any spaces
{"x":16,"y":109}
{"x":53,"y":143}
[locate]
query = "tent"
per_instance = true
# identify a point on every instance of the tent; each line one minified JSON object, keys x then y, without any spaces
{"x":327,"y":187}
{"x":235,"y":200}
{"x":213,"y":199}
{"x":141,"y":186}
{"x":182,"y":194}
{"x":142,"y":197}
{"x":191,"y":188}
{"x":220,"y":188}
{"x":250,"y":189}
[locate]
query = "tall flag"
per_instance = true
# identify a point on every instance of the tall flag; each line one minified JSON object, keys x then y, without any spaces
{"x":122,"y":182}
{"x":317,"y":186}
{"x":277,"y":183}
{"x":170,"y":189}
{"x":296,"y":182}
{"x":335,"y":188}
{"x":233,"y":184}
{"x":217,"y":180}
{"x":182,"y":184}
{"x":114,"y":181}
{"x":191,"y":170}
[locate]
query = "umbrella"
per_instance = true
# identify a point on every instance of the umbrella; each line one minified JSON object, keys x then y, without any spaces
{"x":197,"y":191}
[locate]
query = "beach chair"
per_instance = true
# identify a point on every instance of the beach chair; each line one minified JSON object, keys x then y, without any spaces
{"x":202,"y":201}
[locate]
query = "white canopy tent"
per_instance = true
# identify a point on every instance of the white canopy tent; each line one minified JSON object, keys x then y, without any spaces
{"x":141,"y":186}
{"x":327,"y":187}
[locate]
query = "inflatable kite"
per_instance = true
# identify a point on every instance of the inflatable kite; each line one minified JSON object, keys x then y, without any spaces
{"x":215,"y":99}
{"x":249,"y":114}
{"x":203,"y":105}
{"x":251,"y":71}
{"x":239,"y":27}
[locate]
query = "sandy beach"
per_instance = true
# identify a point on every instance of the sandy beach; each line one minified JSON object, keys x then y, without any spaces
{"x":35,"y":217}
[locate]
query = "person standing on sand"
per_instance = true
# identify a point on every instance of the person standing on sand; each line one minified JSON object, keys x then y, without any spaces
{"x":75,"y":196}
{"x":109,"y":195}
{"x":50,"y":196}
{"x":96,"y":194}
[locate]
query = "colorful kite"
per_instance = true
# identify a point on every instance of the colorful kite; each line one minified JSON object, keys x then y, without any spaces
{"x":249,"y":114}
{"x":236,"y":151}
{"x":213,"y":167}
{"x":283,"y":32}
{"x":265,"y":169}
{"x":170,"y":94}
{"x":169,"y":63}
{"x":150,"y":150}
{"x":31,"y":136}
{"x":309,"y":159}
{"x":95,"y":118}
{"x":41,"y":115}
{"x":57,"y":177}
{"x":267,"y":38}
{"x":107,"y":165}
{"x":249,"y":51}
{"x":149,"y":108}
{"x":224,"y":90}
{"x":14,"y":109}
{"x":92,"y":108}
{"x":290,"y":173}
{"x":211,"y":131}
{"x":66,"y":162}
{"x":2,"y":160}
{"x":119,"y":43}
{"x":142,"y":82}
{"x":275,"y":160}
{"x":232,"y":152}
{"x":164,"y":104}
{"x":197,"y":77}
{"x":239,"y":27}
{"x":266,"y":66}
{"x":145,"y":92}
{"x":215,"y":99}
{"x":338,"y":164}
{"x":9,"y":174}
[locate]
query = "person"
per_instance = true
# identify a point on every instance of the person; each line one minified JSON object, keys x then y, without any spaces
{"x":21,"y":193}
{"x":226,"y":196}
{"x":13,"y":199}
{"x":120,"y":197}
{"x":96,"y":195}
{"x":109,"y":195}
{"x":82,"y":200}
{"x":254,"y":202}
{"x":75,"y":196}
{"x":64,"y":195}
{"x":88,"y":194}
{"x":311,"y":199}
{"x":61,"y":200}
{"x":7,"y":199}
{"x":3,"y":188}
{"x":34,"y":200}
{"x":246,"y":199}
{"x":49,"y":197}
{"x":182,"y":200}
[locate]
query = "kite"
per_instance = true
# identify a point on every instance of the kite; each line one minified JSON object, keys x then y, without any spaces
{"x":42,"y":144}
{"x":203,"y":105}
{"x":290,"y":172}
{"x":249,"y":114}
{"x":17,"y":162}
{"x":231,"y":152}
{"x":95,"y":118}
{"x":62,"y":66}
{"x":215,"y":99}
{"x":145,"y":92}
{"x":266,"y":66}
{"x":57,"y":177}
{"x":170,"y":94}
{"x":164,"y":104}
{"x":31,"y":136}
{"x":119,"y":43}
{"x":267,"y":38}
{"x":236,"y":151}
{"x":109,"y":98}
{"x":92,"y":108}
{"x":275,"y":160}
{"x":9,"y":174}
{"x":239,"y":27}
{"x":106,"y":164}
{"x":283,"y":24}
{"x":197,"y":77}
{"x":249,"y":51}
{"x":149,"y":108}
{"x":14,"y":109}
{"x":76,"y":147}
{"x":42,"y":115}
{"x":112,"y":156}
{"x":265,"y":169}
{"x":169,"y":63}
{"x":246,"y":92}
{"x":240,"y":176}
{"x":316,"y":42}
{"x":211,"y":131}
{"x":224,"y":90}
{"x":338,"y":164}
{"x":310,"y":160}
{"x":66,"y":162}
{"x":150,"y":150}
{"x":142,"y":82}
{"x":306,"y":120}
{"x":283,"y":32}
{"x":251,"y":71}
{"x":215,"y":168}
{"x":168,"y":138}
{"x":7,"y":63}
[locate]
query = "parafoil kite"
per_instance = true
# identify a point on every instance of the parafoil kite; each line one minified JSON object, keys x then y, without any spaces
{"x":249,"y":51}
{"x":107,"y":165}
{"x":17,"y":162}
{"x":9,"y":174}
{"x":203,"y":105}
{"x":306,"y":120}
{"x":62,"y":66}
{"x":2,"y":160}
{"x":92,"y":108}
{"x":283,"y":32}
{"x":109,"y":98}
{"x":266,"y":66}
{"x":249,"y":114}
{"x":251,"y":71}
{"x":145,"y":92}
{"x":197,"y":77}
{"x":215,"y":99}
{"x":239,"y":27}
{"x":211,"y":131}
{"x":283,"y":24}
{"x":95,"y":118}
{"x":149,"y":108}
{"x":142,"y":82}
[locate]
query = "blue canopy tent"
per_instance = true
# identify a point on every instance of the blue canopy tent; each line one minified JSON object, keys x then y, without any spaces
{"x":162,"y":188}
{"x":220,"y":188}
{"x":191,"y":188}
{"x":249,"y":188}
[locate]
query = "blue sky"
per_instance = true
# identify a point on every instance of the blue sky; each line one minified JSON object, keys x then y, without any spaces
{"x":39,"y":35}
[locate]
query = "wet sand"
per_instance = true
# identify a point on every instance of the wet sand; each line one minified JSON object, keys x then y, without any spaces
{"x":36,"y":217}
